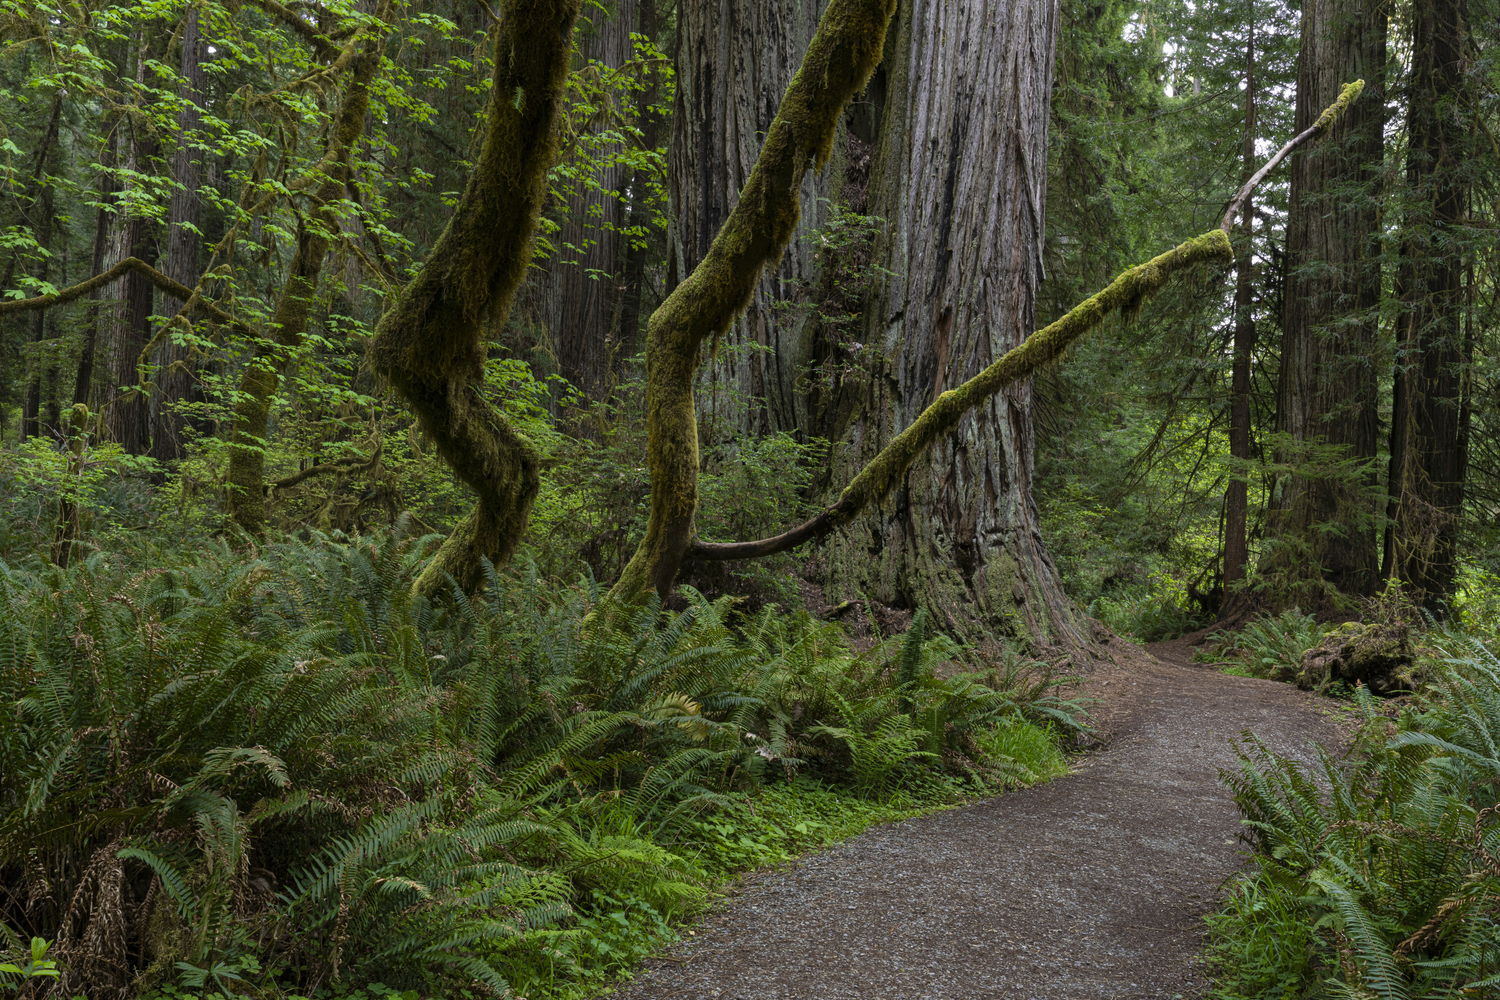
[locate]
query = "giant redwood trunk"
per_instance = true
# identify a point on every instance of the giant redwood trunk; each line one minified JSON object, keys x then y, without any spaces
{"x":1430,"y":419}
{"x":958,"y":176}
{"x":1327,"y":399}
{"x":579,"y":298}
{"x":173,"y":382}
{"x":734,"y":60}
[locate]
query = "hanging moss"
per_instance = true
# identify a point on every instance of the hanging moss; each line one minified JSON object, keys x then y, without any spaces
{"x":840,"y":59}
{"x":431,"y":345}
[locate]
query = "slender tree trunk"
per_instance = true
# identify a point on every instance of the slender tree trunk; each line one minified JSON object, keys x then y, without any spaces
{"x":1327,"y":398}
{"x":1236,"y":499}
{"x":958,"y":177}
{"x":40,"y":212}
{"x":83,"y":382}
{"x":735,"y":59}
{"x":633,"y":289}
{"x":248,"y":502}
{"x":1430,"y":422}
{"x":173,"y":383}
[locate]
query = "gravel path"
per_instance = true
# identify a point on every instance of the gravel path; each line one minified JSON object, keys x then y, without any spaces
{"x":1092,"y":886}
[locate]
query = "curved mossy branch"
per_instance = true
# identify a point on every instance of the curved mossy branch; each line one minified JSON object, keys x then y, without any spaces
{"x":1317,"y":130}
{"x":843,"y":53}
{"x":1125,"y":294}
{"x":431,"y":345}
{"x":249,"y":502}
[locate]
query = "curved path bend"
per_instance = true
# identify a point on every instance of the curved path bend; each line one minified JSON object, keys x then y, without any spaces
{"x":1092,"y":886}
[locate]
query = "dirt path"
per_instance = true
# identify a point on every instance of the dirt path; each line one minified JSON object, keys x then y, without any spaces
{"x":1092,"y":886}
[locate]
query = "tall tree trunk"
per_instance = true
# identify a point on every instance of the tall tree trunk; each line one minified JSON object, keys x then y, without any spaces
{"x":40,"y":217}
{"x":735,"y":59}
{"x":1236,"y":497}
{"x":1430,"y":421}
{"x":129,"y":415}
{"x":959,"y":179}
{"x":580,"y":292}
{"x":633,"y":287}
{"x":83,"y":382}
{"x":173,"y":383}
{"x":1327,"y":397}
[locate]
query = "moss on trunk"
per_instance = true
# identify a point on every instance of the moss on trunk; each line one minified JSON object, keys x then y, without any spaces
{"x":843,"y":54}
{"x":249,"y":503}
{"x":431,"y":346}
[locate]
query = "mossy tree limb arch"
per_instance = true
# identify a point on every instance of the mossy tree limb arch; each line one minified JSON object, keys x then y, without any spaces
{"x":1124,"y":295}
{"x":877,"y":479}
{"x":840,"y":59}
{"x":431,"y":345}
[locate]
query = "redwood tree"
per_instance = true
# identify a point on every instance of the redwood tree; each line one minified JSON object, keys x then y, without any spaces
{"x":1327,"y":405}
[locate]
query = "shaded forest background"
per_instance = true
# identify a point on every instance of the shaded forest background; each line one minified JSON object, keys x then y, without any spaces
{"x":1294,"y":433}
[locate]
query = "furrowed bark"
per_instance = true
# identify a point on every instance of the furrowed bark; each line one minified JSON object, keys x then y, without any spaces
{"x":431,"y":346}
{"x":843,"y":54}
{"x":1124,"y":295}
{"x":248,"y":501}
{"x":1322,"y":520}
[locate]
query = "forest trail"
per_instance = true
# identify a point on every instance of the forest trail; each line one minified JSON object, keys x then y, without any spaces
{"x":1092,"y":886}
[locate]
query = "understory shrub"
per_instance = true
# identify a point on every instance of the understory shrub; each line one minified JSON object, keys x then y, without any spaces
{"x":282,"y":774}
{"x":1375,"y":875}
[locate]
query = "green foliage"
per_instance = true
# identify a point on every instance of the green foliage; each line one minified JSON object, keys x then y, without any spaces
{"x":284,"y":773}
{"x":1268,"y":646}
{"x":1374,"y":876}
{"x":1165,"y":609}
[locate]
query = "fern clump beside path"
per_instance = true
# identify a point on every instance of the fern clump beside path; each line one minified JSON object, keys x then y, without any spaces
{"x":1377,"y":874}
{"x":285,"y":775}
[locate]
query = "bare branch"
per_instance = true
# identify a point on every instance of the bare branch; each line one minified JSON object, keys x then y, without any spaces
{"x":1323,"y":125}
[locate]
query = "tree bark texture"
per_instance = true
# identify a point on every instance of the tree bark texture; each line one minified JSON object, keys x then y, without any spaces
{"x":958,"y":177}
{"x":579,"y":297}
{"x":1236,"y":497}
{"x":128,"y":413}
{"x":735,"y":58}
{"x":1430,"y":425}
{"x":173,"y":382}
{"x":1327,"y":394}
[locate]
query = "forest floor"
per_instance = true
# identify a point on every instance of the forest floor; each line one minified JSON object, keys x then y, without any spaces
{"x":1089,"y":887}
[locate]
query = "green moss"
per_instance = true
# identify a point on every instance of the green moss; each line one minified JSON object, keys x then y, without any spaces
{"x":1347,"y":96}
{"x":839,"y":61}
{"x":432,"y":346}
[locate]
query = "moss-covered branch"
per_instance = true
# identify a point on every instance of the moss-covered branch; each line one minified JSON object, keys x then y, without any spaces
{"x":841,"y":57}
{"x":431,"y":346}
{"x":1125,"y":294}
{"x":1317,"y":130}
{"x":247,"y":496}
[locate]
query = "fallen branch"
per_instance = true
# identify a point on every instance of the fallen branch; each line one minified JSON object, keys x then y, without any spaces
{"x":1124,"y":295}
